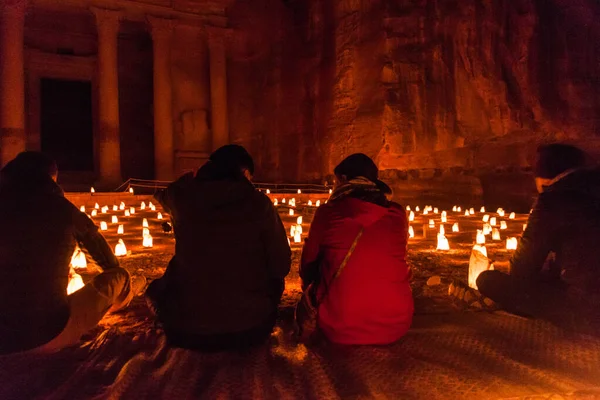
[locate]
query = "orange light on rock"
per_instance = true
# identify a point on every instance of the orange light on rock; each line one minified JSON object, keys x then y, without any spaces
{"x":120,"y":249}
{"x":103,"y":226}
{"x":511,"y":243}
{"x":524,"y":227}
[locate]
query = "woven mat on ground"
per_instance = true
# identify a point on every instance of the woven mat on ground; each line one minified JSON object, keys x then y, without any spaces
{"x":462,"y":356}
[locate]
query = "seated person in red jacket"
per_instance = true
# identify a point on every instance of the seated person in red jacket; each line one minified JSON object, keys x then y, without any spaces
{"x":222,"y":288}
{"x":370,"y":302}
{"x":555,"y":272}
{"x":40,"y":229}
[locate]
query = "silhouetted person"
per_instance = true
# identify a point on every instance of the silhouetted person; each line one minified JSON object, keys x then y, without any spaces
{"x":555,"y":272}
{"x":40,"y":229}
{"x":370,"y":301}
{"x":222,"y":288}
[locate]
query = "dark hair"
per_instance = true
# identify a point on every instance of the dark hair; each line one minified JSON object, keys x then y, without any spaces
{"x":227,"y":163}
{"x":554,"y":159}
{"x":30,"y":164}
{"x":360,"y":164}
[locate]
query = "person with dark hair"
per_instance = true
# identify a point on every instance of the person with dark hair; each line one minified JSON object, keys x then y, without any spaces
{"x":40,"y":229}
{"x":222,"y":288}
{"x":355,"y":259}
{"x":555,"y":271}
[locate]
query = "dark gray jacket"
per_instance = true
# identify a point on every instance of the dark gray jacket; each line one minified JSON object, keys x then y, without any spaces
{"x":565,"y":220}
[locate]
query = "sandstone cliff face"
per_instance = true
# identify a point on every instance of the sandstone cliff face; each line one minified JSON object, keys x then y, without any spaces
{"x":443,"y":93}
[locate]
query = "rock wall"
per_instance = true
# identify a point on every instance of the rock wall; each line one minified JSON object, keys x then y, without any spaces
{"x":442,"y":93}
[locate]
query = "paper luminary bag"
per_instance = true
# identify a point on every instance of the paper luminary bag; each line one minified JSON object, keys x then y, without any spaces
{"x":478,"y":263}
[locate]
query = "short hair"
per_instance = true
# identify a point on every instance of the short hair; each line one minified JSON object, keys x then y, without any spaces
{"x":30,"y":164}
{"x":227,"y":163}
{"x":557,"y":158}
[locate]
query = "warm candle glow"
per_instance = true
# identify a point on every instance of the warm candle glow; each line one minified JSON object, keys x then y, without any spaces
{"x":487,"y":229}
{"x":292,"y":202}
{"x":293,"y":230}
{"x":298,"y":229}
{"x":455,"y":227}
{"x":143,"y":206}
{"x":524,"y":227}
{"x":318,"y":203}
{"x":442,"y":242}
{"x":454,"y":209}
{"x":417,"y":209}
{"x":407,"y":208}
{"x":291,"y":212}
{"x":104,"y":209}
{"x":97,"y":206}
{"x":411,"y":232}
{"x":122,"y":206}
{"x":472,"y":211}
{"x":275,"y":202}
{"x":467,"y":213}
{"x":444,"y":217}
{"x":268,"y":191}
{"x":511,"y":243}
{"x":94,"y":213}
{"x":493,"y":221}
{"x":297,"y":238}
{"x":103,"y":226}
{"x":330,"y":191}
{"x":92,"y":190}
{"x":503,"y":225}
{"x":496,"y":234}
{"x":436,"y":211}
{"x":145,"y":231}
{"x":120,"y":230}
{"x":431,"y":223}
{"x":426,"y":211}
{"x":126,"y":213}
{"x":147,"y":241}
{"x":299,"y":220}
{"x":120,"y":249}
{"x":283,"y":201}
{"x":480,"y":239}
{"x":131,"y":210}
{"x":500,"y":212}
{"x":458,"y":209}
{"x":82,"y":208}
{"x":299,"y":191}
{"x":114,"y":219}
{"x":145,"y":223}
{"x":512,"y":215}
{"x":75,"y":283}
{"x":482,"y":209}
{"x":115,"y":208}
{"x":478,"y":263}
{"x":159,"y":216}
{"x":442,"y":230}
{"x":78,"y":259}
{"x":310,"y":203}
{"x":486,"y":218}
{"x":131,"y":190}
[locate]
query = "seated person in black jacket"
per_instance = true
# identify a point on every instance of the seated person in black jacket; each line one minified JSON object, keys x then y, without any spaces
{"x":222,"y":288}
{"x":555,"y":272}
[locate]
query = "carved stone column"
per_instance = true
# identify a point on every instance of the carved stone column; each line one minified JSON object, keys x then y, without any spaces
{"x":218,"y":86}
{"x":164,"y":152}
{"x":12,"y":80}
{"x":109,"y":141}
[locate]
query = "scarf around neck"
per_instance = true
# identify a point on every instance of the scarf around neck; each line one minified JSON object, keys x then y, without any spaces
{"x":360,"y":188}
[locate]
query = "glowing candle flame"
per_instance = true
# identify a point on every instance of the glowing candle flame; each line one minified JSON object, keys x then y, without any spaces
{"x":436,"y":211}
{"x":103,"y":226}
{"x":431,"y":223}
{"x":82,"y":208}
{"x":444,"y":217}
{"x":455,"y":227}
{"x":127,"y":214}
{"x":299,"y":220}
{"x":480,"y":237}
{"x":500,"y":212}
{"x":299,"y":191}
{"x":493,"y":221}
{"x":407,"y":208}
{"x":283,"y":201}
{"x":511,"y":243}
{"x":411,"y":216}
{"x":145,"y":231}
{"x":297,"y":238}
{"x":143,"y":206}
{"x":467,"y":213}
{"x":454,"y":209}
{"x":275,"y":202}
{"x":512,"y":215}
{"x":310,"y":203}
{"x":425,"y":211}
{"x":417,"y":209}
{"x":131,"y":210}
{"x":114,"y":219}
{"x":159,"y":216}
{"x":92,"y":190}
{"x":471,"y":211}
{"x":78,"y":259}
{"x":145,"y":223}
{"x":115,"y":208}
{"x":293,"y":230}
{"x":411,"y":232}
{"x":487,"y":229}
{"x":478,"y":263}
{"x":122,"y":206}
{"x":503,"y":225}
{"x":120,"y":249}
{"x":150,"y":204}
{"x":104,"y":209}
{"x":292,"y":202}
{"x":318,"y":203}
{"x":442,"y":242}
{"x":524,"y":227}
{"x":291,"y":212}
{"x":94,"y":213}
{"x":120,"y":230}
{"x":442,"y":230}
{"x":481,"y":249}
{"x":75,"y":283}
{"x":299,"y":229}
{"x":131,"y":190}
{"x":147,"y":241}
{"x":330,"y":191}
{"x":482,"y":209}
{"x":458,"y":209}
{"x":496,"y":234}
{"x":152,"y":207}
{"x":97,"y":206}
{"x":486,"y":218}
{"x":268,"y":191}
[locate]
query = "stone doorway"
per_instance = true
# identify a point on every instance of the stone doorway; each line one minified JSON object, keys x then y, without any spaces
{"x":66,"y":123}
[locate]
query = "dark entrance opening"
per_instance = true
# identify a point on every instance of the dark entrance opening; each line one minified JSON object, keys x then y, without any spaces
{"x":66,"y":123}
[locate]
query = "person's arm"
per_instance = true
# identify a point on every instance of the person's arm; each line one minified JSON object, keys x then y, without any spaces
{"x":537,"y":240}
{"x":279,"y":254}
{"x":309,"y":263}
{"x":166,"y":197}
{"x":92,"y":243}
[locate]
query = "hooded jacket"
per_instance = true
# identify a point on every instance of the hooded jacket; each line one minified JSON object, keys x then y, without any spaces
{"x":231,"y":257}
{"x":39,"y":231}
{"x":565,"y":220}
{"x":370,"y":302}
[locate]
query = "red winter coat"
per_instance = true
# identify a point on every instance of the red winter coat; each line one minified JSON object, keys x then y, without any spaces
{"x":371,"y":301}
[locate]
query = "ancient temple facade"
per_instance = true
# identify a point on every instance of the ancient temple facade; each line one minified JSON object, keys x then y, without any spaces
{"x":115,"y":90}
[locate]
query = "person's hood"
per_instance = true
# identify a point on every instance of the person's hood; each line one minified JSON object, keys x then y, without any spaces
{"x":585,"y":181}
{"x":30,"y":185}
{"x":223,"y":193}
{"x":364,"y":212}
